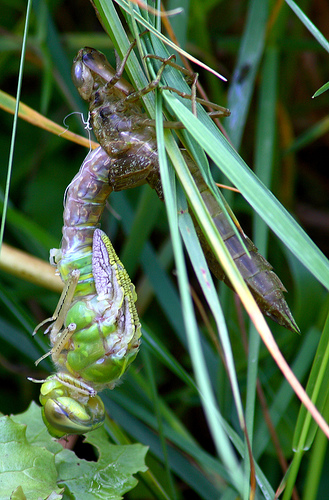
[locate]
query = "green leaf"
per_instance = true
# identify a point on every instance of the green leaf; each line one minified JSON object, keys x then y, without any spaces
{"x":18,"y":494}
{"x":36,"y":431}
{"x":23,"y":464}
{"x":321,"y":90}
{"x":112,"y":474}
{"x":108,"y":478}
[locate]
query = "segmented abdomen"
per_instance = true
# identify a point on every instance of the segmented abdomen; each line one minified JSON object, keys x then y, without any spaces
{"x":85,"y":200}
{"x":107,"y":328}
{"x":95,"y":331}
{"x":264,"y":284}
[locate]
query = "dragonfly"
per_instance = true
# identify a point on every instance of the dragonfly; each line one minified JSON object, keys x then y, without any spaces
{"x":95,"y":330}
{"x":124,"y":131}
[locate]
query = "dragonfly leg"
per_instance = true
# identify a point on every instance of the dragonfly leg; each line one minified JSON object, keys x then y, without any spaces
{"x":75,"y":383}
{"x":171,"y":62}
{"x":63,"y":305}
{"x":135,"y":96}
{"x":58,"y":318}
{"x":121,"y":64}
{"x":62,"y":340}
{"x":193,"y":77}
{"x":219,"y":111}
{"x":69,"y":381}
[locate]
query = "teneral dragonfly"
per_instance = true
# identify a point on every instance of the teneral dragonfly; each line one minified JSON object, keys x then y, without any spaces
{"x":128,"y":136}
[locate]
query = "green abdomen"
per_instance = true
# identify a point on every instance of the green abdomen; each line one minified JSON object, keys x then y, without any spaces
{"x":101,"y":348}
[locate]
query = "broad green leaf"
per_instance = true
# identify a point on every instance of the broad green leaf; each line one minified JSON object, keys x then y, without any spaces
{"x":23,"y":463}
{"x":112,"y":474}
{"x":110,"y":477}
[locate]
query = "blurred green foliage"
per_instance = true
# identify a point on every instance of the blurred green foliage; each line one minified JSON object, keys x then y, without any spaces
{"x":281,"y":130}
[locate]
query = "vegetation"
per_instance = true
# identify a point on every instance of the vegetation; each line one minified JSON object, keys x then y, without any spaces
{"x":196,"y":412}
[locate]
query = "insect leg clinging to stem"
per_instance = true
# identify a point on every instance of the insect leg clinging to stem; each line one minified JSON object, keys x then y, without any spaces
{"x":122,"y":129}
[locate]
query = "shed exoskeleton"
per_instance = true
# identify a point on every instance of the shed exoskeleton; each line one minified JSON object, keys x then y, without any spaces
{"x":124,"y":131}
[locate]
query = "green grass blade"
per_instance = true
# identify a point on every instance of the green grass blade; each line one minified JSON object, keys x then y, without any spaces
{"x":321,"y":90}
{"x":317,"y":463}
{"x":145,"y":220}
{"x":281,"y":396}
{"x":309,"y":25}
{"x":262,"y":200}
{"x":14,"y":128}
{"x":264,"y":149}
{"x":202,"y":377}
{"x":243,"y":82}
{"x":317,"y":388}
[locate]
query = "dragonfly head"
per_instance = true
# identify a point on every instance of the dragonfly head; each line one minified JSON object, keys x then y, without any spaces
{"x":65,"y":411}
{"x":91,"y":70}
{"x":82,"y":77}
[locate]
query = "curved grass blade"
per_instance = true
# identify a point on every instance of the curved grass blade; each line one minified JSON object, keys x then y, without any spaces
{"x":309,"y":25}
{"x":244,"y":75}
{"x":255,"y":193}
{"x":201,"y":372}
{"x":107,"y":9}
{"x":13,"y":137}
{"x":317,"y":388}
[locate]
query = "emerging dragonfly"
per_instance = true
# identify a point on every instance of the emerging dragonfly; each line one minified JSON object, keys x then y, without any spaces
{"x":128,"y":136}
{"x":95,"y":329}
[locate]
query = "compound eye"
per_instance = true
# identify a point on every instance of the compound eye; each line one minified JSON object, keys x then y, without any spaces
{"x":65,"y":415}
{"x":82,"y":79}
{"x":77,"y":72}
